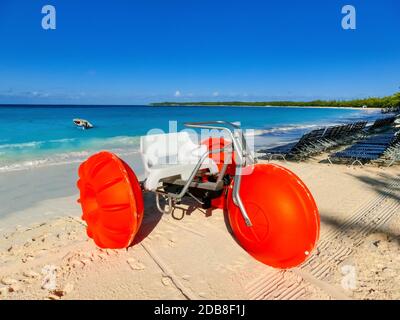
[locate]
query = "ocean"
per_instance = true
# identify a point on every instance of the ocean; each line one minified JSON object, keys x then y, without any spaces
{"x":32,"y":136}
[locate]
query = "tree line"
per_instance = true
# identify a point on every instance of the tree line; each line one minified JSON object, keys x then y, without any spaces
{"x":392,"y":101}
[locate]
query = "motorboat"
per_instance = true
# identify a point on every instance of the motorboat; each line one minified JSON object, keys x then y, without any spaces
{"x":82,"y":123}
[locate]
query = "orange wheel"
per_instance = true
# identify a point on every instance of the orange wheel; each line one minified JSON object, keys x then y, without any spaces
{"x":111,"y":200}
{"x":284,"y":216}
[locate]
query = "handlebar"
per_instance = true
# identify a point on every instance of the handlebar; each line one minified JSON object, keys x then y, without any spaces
{"x":207,"y":124}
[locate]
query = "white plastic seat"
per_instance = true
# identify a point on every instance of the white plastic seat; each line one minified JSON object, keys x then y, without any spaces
{"x":168,"y":155}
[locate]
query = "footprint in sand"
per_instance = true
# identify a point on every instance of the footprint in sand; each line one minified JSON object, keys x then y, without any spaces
{"x":8,"y":281}
{"x":11,"y":285}
{"x":28,"y":281}
{"x":172,"y":241}
{"x":84,"y":259}
{"x":86,"y":262}
{"x":135,"y":264}
{"x":166,"y":281}
{"x":108,"y":252}
{"x":27,"y":257}
{"x":31,"y":274}
{"x":28,"y":243}
{"x":75,"y":264}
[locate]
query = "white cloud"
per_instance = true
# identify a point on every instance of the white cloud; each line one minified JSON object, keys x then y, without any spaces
{"x":177,"y":93}
{"x":215,"y":94}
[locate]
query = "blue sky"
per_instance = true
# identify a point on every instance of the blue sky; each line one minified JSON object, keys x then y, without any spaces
{"x":132,"y":52}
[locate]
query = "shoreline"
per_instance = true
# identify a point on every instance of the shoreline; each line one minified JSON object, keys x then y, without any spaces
{"x":178,"y":105}
{"x":156,"y":104}
{"x":268,"y":106}
{"x":274,"y":135}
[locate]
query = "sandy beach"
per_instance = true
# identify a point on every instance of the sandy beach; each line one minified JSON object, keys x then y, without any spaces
{"x":190,"y":254}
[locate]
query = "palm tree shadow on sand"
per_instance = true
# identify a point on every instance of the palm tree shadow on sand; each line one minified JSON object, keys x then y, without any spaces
{"x":358,"y":226}
{"x":385,"y":185}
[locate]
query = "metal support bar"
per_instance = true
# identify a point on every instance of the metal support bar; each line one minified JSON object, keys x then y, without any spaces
{"x":195,"y":198}
{"x":194,"y":172}
{"x":244,"y":157}
{"x":236,"y":196}
{"x":239,"y":145}
{"x":170,"y":207}
{"x":242,"y":153}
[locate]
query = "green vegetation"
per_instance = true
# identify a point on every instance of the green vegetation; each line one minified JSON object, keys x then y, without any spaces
{"x":372,"y":102}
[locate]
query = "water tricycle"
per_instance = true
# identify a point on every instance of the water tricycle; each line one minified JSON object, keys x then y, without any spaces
{"x":271,"y":212}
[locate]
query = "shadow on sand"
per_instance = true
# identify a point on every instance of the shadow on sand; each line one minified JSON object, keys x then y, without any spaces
{"x":382,"y":185}
{"x":152,"y":216}
{"x":359,"y":227}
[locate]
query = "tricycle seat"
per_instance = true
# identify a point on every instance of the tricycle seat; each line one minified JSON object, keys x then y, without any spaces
{"x":170,"y":155}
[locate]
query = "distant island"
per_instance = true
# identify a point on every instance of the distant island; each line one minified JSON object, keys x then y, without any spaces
{"x":389,"y":102}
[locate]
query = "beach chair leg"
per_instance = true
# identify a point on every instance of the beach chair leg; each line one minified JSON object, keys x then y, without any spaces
{"x":391,"y":162}
{"x":282,"y":156}
{"x":357,"y":161}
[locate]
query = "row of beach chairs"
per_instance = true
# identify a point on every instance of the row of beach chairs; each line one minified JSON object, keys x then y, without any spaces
{"x":380,"y":123}
{"x":391,"y":110}
{"x":317,"y":141}
{"x":382,"y":147}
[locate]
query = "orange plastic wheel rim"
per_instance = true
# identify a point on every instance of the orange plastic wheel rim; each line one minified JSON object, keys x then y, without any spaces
{"x":111,"y":200}
{"x":283,"y":213}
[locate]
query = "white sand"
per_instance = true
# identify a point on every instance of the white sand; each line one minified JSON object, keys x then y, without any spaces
{"x":190,"y":254}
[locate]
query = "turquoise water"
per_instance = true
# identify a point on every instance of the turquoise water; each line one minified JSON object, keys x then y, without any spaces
{"x":34,"y":135}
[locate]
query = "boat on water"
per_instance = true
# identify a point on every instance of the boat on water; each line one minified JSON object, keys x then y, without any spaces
{"x":82,"y":123}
